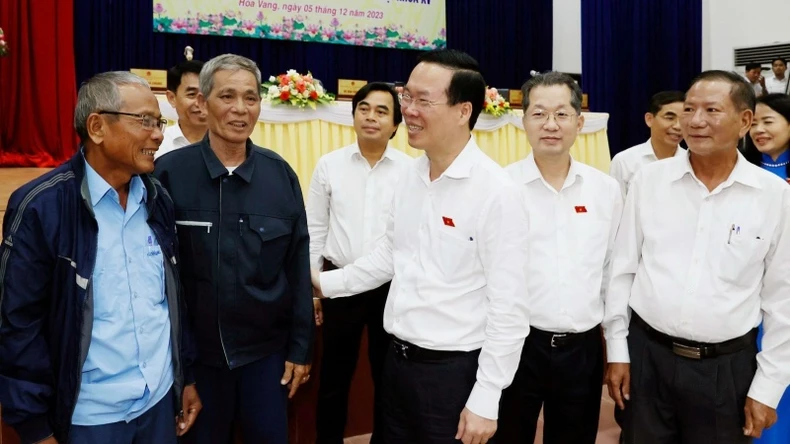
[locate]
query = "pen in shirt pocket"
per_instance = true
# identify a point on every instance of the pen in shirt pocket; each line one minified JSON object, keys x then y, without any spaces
{"x":732,"y":230}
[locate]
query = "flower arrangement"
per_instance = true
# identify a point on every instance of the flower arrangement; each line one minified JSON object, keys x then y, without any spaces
{"x":3,"y":46}
{"x":495,"y":104}
{"x":296,"y":89}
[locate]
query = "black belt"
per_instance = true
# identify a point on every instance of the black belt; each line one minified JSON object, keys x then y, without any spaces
{"x":411,"y":352}
{"x":329,"y":265}
{"x":697,"y":350}
{"x":562,"y":339}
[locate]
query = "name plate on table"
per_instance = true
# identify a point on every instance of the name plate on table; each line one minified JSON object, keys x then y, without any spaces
{"x":156,"y":78}
{"x":347,"y":88}
{"x":515,"y":98}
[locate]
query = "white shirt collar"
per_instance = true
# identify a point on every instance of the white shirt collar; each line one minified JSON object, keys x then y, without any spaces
{"x":355,"y":151}
{"x":742,"y":173}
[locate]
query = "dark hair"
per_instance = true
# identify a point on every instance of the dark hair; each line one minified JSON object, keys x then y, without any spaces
{"x":467,"y":84}
{"x":784,"y":62}
{"x":664,"y":98}
{"x":781,"y":104}
{"x":552,"y":78}
{"x":751,"y":66}
{"x":175,"y":73}
{"x":363,"y":93}
{"x":741,"y":92}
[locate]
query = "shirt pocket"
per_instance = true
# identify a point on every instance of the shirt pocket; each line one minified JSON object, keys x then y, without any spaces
{"x":196,"y":233}
{"x":456,"y":251}
{"x":741,"y":257}
{"x":265,"y":244}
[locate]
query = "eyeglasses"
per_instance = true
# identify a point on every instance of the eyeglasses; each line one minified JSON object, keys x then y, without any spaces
{"x":541,"y":116}
{"x":148,"y":122}
{"x":421,"y":104}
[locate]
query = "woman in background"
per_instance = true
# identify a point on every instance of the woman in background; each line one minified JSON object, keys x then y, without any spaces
{"x":769,"y":148}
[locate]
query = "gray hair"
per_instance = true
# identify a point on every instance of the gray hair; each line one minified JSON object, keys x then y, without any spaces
{"x":100,"y":93}
{"x":551,"y":79}
{"x":229,"y":62}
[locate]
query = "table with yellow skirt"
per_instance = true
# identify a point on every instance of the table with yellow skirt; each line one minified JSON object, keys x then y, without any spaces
{"x":302,"y":136}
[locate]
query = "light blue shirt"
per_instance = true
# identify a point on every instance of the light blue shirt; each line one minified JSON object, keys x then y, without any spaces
{"x":129,"y":365}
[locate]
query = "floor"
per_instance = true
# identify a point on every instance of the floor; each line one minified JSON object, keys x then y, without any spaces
{"x":608,"y":430}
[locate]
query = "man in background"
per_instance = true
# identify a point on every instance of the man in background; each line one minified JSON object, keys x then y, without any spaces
{"x":182,"y":94}
{"x":754,"y":74}
{"x":663,"y":119}
{"x":778,"y":83}
{"x":347,"y":209}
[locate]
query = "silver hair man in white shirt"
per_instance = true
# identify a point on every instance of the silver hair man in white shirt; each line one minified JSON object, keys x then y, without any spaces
{"x":702,"y":256}
{"x":347,"y":207}
{"x":573,"y":211}
{"x":182,"y":93}
{"x":663,"y":120}
{"x":455,"y":250}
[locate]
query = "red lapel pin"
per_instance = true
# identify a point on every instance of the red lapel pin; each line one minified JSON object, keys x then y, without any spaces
{"x":448,"y":221}
{"x":580,"y":209}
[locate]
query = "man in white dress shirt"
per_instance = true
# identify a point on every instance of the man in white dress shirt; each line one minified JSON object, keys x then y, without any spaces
{"x":702,"y":256}
{"x":455,"y":249}
{"x":182,"y":93}
{"x":754,"y":75}
{"x":663,"y":119}
{"x":347,"y":209}
{"x":778,"y":83}
{"x":573,"y":211}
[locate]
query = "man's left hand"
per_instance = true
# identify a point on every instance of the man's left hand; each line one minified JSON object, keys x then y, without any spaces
{"x":294,"y":376}
{"x":758,"y":417}
{"x":191,"y":406}
{"x":474,"y":429}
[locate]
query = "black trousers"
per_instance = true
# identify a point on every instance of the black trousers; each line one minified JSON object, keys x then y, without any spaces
{"x":564,"y":380}
{"x":678,"y":400}
{"x":423,"y":397}
{"x":344,"y":321}
{"x":250,"y":395}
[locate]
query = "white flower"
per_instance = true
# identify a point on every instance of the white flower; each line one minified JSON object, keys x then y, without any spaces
{"x":274,"y":91}
{"x":285,"y":88}
{"x":291,"y":73}
{"x":319,"y":89}
{"x":272,"y":79}
{"x":306,"y":94}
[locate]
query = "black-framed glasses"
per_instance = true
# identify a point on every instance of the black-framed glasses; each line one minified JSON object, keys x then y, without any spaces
{"x":148,"y":122}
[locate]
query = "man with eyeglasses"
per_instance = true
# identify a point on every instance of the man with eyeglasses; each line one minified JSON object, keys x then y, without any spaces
{"x":663,"y":120}
{"x":573,"y":211}
{"x":93,"y":343}
{"x":455,"y":249}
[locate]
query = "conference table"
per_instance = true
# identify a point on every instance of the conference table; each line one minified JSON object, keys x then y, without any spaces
{"x":302,"y":136}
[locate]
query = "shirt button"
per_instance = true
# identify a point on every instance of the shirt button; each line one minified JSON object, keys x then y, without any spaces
{"x":225,"y":179}
{"x":129,"y":260}
{"x":141,"y":330}
{"x":135,"y":295}
{"x":145,"y":364}
{"x":397,"y":320}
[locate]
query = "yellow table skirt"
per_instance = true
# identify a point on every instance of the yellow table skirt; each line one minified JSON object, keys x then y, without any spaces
{"x":303,"y":143}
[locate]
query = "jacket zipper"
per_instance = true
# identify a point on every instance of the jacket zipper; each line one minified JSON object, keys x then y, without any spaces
{"x":219,"y":246}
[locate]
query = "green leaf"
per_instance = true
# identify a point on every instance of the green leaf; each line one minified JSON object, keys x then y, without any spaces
{"x":392,"y":34}
{"x":229,"y":21}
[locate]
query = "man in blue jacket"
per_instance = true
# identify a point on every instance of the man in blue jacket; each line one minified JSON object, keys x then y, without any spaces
{"x":243,"y":238}
{"x":92,"y":340}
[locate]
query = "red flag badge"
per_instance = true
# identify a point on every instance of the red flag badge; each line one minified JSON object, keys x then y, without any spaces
{"x":448,"y":221}
{"x":580,"y":209}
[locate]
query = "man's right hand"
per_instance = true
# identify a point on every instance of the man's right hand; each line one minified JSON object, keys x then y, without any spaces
{"x":618,"y":379}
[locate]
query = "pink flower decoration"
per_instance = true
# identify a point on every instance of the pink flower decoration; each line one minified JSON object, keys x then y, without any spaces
{"x":259,"y":17}
{"x":335,"y":22}
{"x":158,"y":8}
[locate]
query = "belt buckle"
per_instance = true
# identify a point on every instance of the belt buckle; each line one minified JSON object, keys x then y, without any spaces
{"x":554,"y":337}
{"x":686,"y":351}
